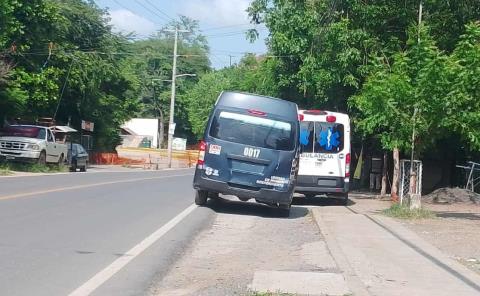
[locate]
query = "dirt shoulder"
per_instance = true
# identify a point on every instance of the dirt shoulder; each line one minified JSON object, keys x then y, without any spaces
{"x":249,"y":249}
{"x":455,"y":230}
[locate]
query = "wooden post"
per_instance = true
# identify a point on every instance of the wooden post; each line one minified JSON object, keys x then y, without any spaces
{"x":396,"y":174}
{"x":383,"y":192}
{"x":415,"y":197}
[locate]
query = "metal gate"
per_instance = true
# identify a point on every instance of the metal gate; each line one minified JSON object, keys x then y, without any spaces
{"x":405,"y":177}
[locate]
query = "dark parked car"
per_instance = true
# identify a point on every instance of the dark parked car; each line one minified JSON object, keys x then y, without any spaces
{"x":78,"y":157}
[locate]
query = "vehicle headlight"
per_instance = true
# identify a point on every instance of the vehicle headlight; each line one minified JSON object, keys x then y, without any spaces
{"x":33,"y":147}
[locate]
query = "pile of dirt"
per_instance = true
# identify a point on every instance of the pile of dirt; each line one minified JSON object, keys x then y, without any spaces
{"x":452,"y":196}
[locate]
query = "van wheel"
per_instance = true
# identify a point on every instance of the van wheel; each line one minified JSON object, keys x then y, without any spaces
{"x":344,"y":200}
{"x":73,"y":167}
{"x":284,"y":211}
{"x":244,"y":198}
{"x":201,"y":197}
{"x":213,"y":195}
{"x":310,"y":195}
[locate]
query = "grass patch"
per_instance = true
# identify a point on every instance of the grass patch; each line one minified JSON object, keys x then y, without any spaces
{"x":404,"y":212}
{"x":9,"y":168}
{"x":5,"y":172}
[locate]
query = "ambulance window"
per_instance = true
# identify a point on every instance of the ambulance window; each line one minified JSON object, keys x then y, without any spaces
{"x":306,"y":136}
{"x":328,"y":137}
{"x":321,"y":137}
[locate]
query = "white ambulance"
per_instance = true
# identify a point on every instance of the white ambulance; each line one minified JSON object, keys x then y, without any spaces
{"x":324,"y":154}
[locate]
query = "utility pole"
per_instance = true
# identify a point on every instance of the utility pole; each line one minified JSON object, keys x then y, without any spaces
{"x":230,"y":56}
{"x":171,"y":123}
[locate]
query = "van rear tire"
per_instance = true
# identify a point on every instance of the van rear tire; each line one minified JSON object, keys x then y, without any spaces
{"x":201,"y":197}
{"x":283,"y":211}
{"x":344,"y":200}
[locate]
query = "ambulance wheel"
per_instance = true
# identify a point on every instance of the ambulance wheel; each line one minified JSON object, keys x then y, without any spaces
{"x":201,"y":197}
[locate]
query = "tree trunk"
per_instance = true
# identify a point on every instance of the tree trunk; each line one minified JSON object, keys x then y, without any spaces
{"x":383,"y":192}
{"x":396,"y":174}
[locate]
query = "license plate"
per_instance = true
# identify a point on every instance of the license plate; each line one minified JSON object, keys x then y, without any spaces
{"x":9,"y":157}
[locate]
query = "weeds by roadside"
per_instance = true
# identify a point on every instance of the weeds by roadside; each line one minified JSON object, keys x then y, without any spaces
{"x":8,"y":168}
{"x":404,"y":212}
{"x":5,"y":172}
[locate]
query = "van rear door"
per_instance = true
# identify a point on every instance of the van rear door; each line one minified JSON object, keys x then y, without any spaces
{"x":249,"y":149}
{"x":322,"y":149}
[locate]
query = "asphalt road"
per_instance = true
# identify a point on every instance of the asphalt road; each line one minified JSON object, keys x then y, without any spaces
{"x":59,"y":233}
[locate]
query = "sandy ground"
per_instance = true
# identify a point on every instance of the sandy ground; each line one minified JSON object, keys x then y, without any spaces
{"x":455,"y":230}
{"x":248,"y":239}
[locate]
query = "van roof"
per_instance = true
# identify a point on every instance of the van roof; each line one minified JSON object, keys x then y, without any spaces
{"x":269,"y":105}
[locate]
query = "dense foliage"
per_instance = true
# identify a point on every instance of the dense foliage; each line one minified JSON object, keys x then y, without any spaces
{"x":66,"y":66}
{"x":60,"y":58}
{"x":365,"y":58}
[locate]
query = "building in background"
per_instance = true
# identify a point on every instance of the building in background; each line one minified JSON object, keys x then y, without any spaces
{"x":140,"y":133}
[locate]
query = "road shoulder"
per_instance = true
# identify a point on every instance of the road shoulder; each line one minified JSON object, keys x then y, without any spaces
{"x":388,"y":258}
{"x":249,"y":249}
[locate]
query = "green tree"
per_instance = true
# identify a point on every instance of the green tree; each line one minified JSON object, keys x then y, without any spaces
{"x":325,"y":47}
{"x":68,"y":64}
{"x":153,"y":61}
{"x":253,"y":74}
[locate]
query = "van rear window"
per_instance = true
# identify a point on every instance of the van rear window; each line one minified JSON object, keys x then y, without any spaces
{"x":253,"y":131}
{"x":321,"y":137}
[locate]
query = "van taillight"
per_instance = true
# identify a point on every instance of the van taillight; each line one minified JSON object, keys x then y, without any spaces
{"x":301,"y":117}
{"x":257,"y":112}
{"x":331,"y":118}
{"x":201,"y":153}
{"x":347,"y":165}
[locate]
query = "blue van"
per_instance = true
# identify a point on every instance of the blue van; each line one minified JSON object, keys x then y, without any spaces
{"x":250,"y":150}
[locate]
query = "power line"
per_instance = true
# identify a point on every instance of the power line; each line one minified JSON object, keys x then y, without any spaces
{"x":233,"y":33}
{"x":218,"y":59}
{"x":152,"y":12}
{"x":159,"y":10}
{"x":224,"y":27}
{"x":128,"y":9}
{"x":63,"y":88}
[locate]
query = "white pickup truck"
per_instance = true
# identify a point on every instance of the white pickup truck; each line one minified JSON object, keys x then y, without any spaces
{"x":31,"y":143}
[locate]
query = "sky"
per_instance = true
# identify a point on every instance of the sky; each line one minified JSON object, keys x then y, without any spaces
{"x":223,"y":22}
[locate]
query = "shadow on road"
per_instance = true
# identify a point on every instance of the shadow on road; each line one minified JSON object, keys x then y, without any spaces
{"x":226,"y":206}
{"x":319,"y":201}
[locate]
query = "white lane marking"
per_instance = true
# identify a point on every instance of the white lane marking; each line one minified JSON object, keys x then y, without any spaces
{"x":97,"y":280}
{"x":86,"y":186}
